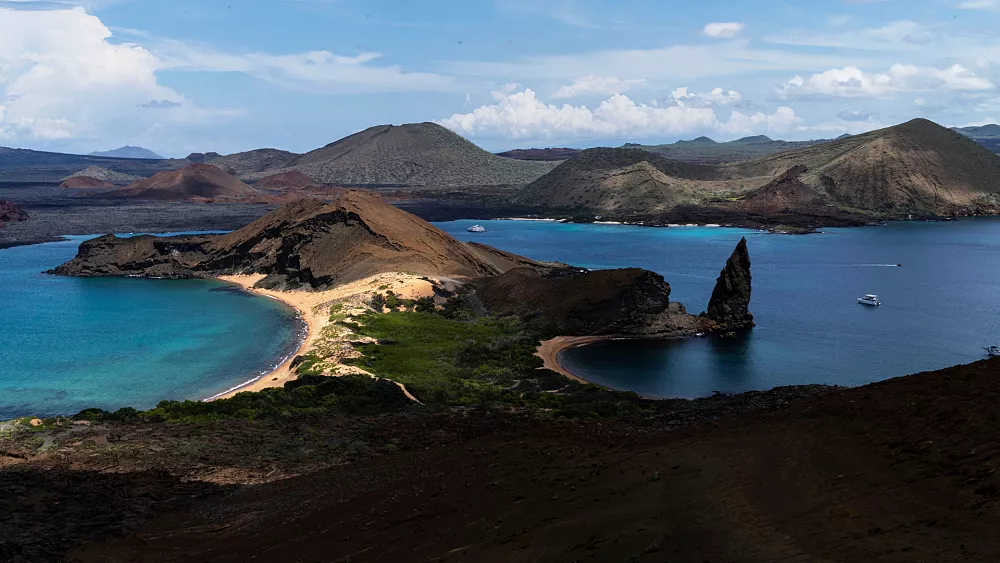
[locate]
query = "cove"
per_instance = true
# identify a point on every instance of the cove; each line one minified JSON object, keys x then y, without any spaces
{"x":69,"y":343}
{"x":938,"y":310}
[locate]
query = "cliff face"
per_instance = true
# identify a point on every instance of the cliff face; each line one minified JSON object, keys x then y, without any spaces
{"x":729,"y":306}
{"x":578,"y":302}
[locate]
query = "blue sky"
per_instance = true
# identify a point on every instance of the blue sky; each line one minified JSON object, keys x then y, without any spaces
{"x":180,"y":76}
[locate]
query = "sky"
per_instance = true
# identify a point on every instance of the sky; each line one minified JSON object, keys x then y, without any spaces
{"x":182,"y":76}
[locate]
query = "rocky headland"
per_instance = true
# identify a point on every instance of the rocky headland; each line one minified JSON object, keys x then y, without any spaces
{"x":313,"y":245}
{"x":317,"y":255}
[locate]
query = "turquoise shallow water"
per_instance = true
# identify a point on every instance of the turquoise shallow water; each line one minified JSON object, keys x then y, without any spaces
{"x":67,"y":344}
{"x":939,"y":309}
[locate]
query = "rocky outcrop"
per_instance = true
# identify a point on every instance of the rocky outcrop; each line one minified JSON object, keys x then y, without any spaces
{"x":729,"y":306}
{"x":105,"y":175}
{"x":85,"y":183}
{"x":305,"y":243}
{"x":10,"y":213}
{"x":576,"y":302}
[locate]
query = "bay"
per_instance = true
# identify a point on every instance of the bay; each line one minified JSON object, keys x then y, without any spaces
{"x":939,"y":308}
{"x":72,"y":343}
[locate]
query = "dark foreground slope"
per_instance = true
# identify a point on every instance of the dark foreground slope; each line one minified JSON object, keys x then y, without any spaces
{"x":899,"y":471}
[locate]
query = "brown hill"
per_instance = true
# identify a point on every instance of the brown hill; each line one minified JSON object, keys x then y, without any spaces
{"x":916,"y":167}
{"x":424,"y":155}
{"x":305,"y":242}
{"x":250,"y":164}
{"x":85,"y":182}
{"x":285,"y":180}
{"x":786,"y":192}
{"x":195,"y":181}
{"x":626,"y":180}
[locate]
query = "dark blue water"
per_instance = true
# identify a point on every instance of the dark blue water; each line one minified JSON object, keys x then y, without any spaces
{"x":68,"y":343}
{"x":938,"y":310}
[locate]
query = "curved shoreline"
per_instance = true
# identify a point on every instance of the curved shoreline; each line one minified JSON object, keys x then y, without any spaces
{"x":282,"y":373}
{"x":313,"y":309}
{"x":549,"y":351}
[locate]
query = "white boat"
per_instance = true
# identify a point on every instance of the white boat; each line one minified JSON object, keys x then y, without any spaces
{"x":477,"y":229}
{"x":992,"y":351}
{"x":870,"y":300}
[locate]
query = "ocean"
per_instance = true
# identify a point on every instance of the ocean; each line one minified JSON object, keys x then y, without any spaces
{"x":939,"y":308}
{"x":67,"y":344}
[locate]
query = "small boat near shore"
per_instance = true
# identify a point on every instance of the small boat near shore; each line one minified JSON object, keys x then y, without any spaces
{"x":870,"y":300}
{"x":477,"y":229}
{"x":992,"y":351}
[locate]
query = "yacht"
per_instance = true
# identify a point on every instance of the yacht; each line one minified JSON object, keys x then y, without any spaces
{"x":870,"y":299}
{"x":477,"y":229}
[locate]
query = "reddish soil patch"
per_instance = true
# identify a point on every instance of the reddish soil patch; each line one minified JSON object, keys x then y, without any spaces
{"x":192,"y":182}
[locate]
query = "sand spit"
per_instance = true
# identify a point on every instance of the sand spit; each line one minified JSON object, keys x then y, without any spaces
{"x":549,"y":351}
{"x":323,"y":337}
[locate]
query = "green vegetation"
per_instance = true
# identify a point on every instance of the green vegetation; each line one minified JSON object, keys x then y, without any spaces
{"x":459,"y":357}
{"x":448,"y":361}
{"x":310,"y":364}
{"x":353,"y":394}
{"x":453,"y":356}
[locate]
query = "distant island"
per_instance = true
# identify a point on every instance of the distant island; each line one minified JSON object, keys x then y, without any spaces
{"x":915,"y":170}
{"x":129,"y":152}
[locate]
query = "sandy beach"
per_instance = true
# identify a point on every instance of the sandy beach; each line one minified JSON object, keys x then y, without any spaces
{"x":549,"y":351}
{"x":314,"y":308}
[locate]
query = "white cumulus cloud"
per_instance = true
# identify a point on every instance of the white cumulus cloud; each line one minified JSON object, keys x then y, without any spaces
{"x":519,"y":114}
{"x":723,"y":30}
{"x":61,"y":78}
{"x":596,"y":86}
{"x":852,"y":82}
{"x":717,"y":96}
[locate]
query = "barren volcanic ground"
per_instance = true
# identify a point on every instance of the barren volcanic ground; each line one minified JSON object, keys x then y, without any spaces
{"x":56,"y":212}
{"x":899,"y":471}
